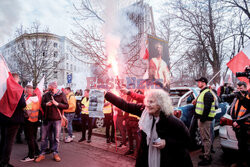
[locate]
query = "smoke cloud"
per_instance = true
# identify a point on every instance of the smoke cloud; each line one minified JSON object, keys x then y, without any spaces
{"x":118,"y":31}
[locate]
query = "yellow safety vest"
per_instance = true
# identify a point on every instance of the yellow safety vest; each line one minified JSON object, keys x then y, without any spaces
{"x":200,"y":105}
{"x":32,"y":108}
{"x":107,"y":109}
{"x":72,"y":103}
{"x":85,"y":102}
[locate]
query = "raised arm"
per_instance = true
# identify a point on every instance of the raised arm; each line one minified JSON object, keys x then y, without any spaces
{"x":132,"y":108}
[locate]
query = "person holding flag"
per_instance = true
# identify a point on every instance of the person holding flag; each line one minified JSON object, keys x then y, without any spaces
{"x":12,"y":103}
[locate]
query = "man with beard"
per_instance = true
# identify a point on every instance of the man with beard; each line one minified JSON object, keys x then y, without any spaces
{"x":53,"y":102}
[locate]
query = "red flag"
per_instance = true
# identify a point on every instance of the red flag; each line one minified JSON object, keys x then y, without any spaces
{"x":146,"y":55}
{"x":144,"y":49}
{"x":10,"y":90}
{"x":238,"y":64}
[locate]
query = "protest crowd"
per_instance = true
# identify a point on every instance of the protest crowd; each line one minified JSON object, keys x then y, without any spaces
{"x":144,"y":118}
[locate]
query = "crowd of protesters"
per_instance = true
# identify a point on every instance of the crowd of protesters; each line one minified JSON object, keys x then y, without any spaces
{"x":143,"y":116}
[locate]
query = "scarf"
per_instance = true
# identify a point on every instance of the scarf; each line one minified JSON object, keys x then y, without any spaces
{"x":148,"y":125}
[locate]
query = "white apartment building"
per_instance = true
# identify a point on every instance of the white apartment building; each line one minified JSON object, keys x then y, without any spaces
{"x":69,"y":60}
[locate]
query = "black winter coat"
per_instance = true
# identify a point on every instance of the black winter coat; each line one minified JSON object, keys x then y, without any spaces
{"x":173,"y":130}
{"x":51,"y":112}
{"x":18,"y":115}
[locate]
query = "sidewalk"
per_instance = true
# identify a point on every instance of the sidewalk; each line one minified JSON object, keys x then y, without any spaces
{"x":98,"y":140}
{"x":98,"y":153}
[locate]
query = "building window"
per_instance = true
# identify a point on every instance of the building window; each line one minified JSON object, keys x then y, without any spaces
{"x":67,"y":66}
{"x":44,"y":53}
{"x":55,"y":44}
{"x":55,"y":74}
{"x":54,"y":64}
{"x":43,"y":43}
{"x":55,"y":54}
{"x":71,"y":68}
{"x":67,"y":56}
{"x":44,"y":72}
{"x":74,"y":68}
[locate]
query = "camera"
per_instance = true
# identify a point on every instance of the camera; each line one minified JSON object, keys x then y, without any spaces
{"x":227,"y":97}
{"x":50,"y":95}
{"x":246,"y":73}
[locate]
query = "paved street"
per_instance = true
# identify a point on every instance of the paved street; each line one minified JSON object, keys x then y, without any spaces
{"x":99,"y":154}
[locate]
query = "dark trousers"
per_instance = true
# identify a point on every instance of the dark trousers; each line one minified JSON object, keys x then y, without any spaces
{"x":244,"y":146}
{"x":132,"y":130}
{"x":30,"y":129}
{"x":19,"y":133}
{"x":109,"y":123}
{"x":121,"y":128}
{"x":8,"y":135}
{"x":86,"y":119}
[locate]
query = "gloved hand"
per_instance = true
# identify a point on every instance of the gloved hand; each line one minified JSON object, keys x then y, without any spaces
{"x":203,"y":120}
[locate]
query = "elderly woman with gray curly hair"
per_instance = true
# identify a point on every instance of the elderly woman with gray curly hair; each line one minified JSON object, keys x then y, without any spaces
{"x":164,"y":138}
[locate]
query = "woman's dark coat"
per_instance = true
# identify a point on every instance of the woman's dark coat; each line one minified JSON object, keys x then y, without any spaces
{"x":173,"y":130}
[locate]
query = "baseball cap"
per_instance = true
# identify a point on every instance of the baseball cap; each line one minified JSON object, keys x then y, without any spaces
{"x":202,"y":79}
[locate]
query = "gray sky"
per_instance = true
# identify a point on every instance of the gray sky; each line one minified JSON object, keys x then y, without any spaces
{"x":54,"y":14}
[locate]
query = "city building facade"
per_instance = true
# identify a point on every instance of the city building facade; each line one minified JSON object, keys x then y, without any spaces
{"x":62,"y":61}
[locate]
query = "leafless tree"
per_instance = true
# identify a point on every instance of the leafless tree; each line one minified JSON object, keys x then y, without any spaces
{"x":200,"y":25}
{"x":240,"y":4}
{"x":239,"y":27}
{"x":36,"y":53}
{"x":171,"y":35}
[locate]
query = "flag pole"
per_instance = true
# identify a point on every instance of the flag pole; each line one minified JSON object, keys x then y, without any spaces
{"x":214,"y":76}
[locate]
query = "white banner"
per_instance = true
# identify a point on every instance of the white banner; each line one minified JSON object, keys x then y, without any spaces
{"x":96,"y":103}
